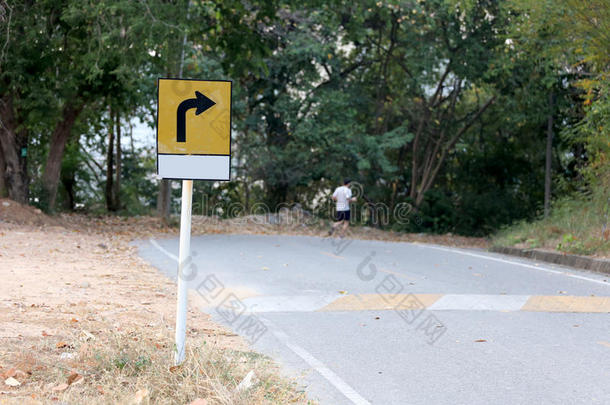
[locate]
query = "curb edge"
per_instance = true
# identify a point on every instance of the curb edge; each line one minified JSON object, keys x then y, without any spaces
{"x":580,"y":262}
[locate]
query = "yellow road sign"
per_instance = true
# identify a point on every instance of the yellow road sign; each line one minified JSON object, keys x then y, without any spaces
{"x":194,"y":129}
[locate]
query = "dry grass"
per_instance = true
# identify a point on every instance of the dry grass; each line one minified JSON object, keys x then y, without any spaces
{"x":578,"y":225}
{"x":131,"y":367}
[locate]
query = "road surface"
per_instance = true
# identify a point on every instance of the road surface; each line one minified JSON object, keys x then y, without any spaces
{"x":370,"y":322}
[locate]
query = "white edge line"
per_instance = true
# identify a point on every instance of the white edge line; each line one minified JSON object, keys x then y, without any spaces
{"x":162,"y":250}
{"x":317,"y":365}
{"x":496,"y":259}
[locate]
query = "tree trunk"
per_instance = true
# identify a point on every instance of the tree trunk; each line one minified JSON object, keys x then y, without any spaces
{"x":110,"y":165}
{"x":117,"y":181}
{"x":68,"y":181}
{"x":164,"y":200}
{"x":13,"y":146}
{"x":59,"y":138}
{"x":2,"y":174}
{"x":393,"y":195}
{"x":247,"y":190}
{"x":414,"y":161}
{"x":549,"y":157}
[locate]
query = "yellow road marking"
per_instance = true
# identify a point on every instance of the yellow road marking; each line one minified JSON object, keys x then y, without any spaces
{"x":396,"y":274}
{"x":370,"y":302}
{"x":543,"y":303}
{"x":332,"y":255}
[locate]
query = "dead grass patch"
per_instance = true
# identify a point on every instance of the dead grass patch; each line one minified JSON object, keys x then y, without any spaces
{"x":135,"y":367}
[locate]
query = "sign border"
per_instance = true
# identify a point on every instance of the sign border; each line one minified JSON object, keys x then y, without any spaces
{"x":194,"y":154}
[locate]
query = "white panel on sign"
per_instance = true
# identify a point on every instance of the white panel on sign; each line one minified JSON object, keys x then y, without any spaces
{"x":196,"y":167}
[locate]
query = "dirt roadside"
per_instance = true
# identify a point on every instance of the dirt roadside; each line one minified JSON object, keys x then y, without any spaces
{"x":84,"y":320}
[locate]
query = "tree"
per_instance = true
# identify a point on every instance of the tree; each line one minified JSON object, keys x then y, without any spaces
{"x":572,"y":36}
{"x":71,"y":56}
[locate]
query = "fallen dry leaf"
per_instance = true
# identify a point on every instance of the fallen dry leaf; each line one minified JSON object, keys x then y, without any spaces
{"x":79,"y":380}
{"x":11,"y":382}
{"x":74,"y":377}
{"x":10,"y":372}
{"x":60,"y":345}
{"x":173,"y":369}
{"x":87,"y":335}
{"x":603,"y":343}
{"x":480,"y":340}
{"x":60,"y":388}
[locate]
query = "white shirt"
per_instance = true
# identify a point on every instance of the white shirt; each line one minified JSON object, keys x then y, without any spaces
{"x":343,"y":195}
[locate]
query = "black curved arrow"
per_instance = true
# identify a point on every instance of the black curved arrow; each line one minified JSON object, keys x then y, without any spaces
{"x":201,"y":103}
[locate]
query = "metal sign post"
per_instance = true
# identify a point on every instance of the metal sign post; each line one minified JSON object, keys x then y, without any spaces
{"x":183,"y":262}
{"x":193,"y":142}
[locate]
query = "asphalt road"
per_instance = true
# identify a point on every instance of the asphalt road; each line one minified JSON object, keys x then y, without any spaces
{"x":370,"y":322}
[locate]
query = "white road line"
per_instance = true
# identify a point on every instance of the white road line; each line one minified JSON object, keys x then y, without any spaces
{"x":162,"y":250}
{"x":289,"y":303}
{"x":480,"y":302}
{"x":317,"y":365}
{"x":496,"y":259}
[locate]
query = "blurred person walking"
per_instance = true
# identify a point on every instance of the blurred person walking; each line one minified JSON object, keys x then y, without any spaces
{"x":342,"y":196}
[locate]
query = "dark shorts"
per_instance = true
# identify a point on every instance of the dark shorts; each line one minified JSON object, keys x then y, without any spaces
{"x":342,"y":216}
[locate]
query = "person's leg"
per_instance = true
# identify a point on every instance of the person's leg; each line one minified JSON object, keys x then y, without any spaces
{"x":336,"y":224}
{"x":339,"y":218}
{"x":333,"y":226}
{"x":346,"y":219}
{"x":344,"y":227}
